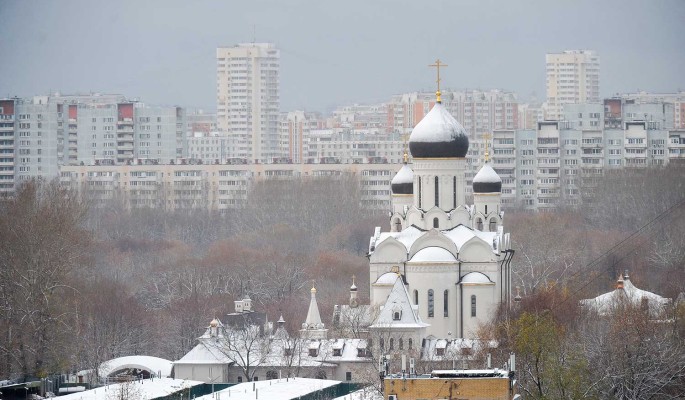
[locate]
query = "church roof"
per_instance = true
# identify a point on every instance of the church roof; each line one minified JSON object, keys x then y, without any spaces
{"x":433,"y":254}
{"x":460,"y":234}
{"x":398,"y":301}
{"x":475,"y":278}
{"x":313,"y":320}
{"x":605,"y":303}
{"x":438,"y":135}
{"x":487,"y":180}
{"x":387,"y":278}
{"x":403,"y":182}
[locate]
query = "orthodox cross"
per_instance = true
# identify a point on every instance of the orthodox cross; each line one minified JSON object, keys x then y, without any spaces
{"x":486,"y":137}
{"x":437,"y":66}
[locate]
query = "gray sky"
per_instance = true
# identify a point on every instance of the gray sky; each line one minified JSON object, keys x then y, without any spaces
{"x":333,"y":53}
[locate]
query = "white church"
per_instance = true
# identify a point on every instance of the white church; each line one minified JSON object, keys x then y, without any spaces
{"x":442,"y":270}
{"x":453,"y":258}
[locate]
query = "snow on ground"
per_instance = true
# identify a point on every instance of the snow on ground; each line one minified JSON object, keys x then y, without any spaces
{"x":274,"y":389}
{"x":144,"y":389}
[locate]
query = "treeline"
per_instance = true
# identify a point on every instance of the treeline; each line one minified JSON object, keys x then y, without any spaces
{"x":80,"y":285}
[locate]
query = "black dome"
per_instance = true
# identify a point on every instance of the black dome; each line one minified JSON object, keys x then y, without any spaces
{"x":438,"y":135}
{"x":487,"y":180}
{"x":403,"y":182}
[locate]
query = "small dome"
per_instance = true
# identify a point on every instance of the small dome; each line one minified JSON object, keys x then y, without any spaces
{"x":433,"y":254}
{"x":438,"y":135}
{"x":475,"y":278}
{"x":403,"y":182}
{"x":387,"y":278}
{"x":487,"y":180}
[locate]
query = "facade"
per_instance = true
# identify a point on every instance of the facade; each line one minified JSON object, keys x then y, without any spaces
{"x":7,"y":148}
{"x":626,"y":294}
{"x":248,"y":98}
{"x":572,"y":77}
{"x":491,"y":384}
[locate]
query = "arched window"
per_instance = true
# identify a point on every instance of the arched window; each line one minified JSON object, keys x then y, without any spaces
{"x":430,"y":303}
{"x":445,"y":303}
{"x":486,"y":209}
{"x":493,"y":224}
{"x":398,"y":225}
{"x":454,"y":192}
{"x":400,"y":344}
{"x":397,"y":315}
{"x":382,"y":343}
{"x":416,"y":297}
{"x":437,"y":192}
{"x":271,"y":374}
{"x":392,"y":344}
{"x":410,"y":343}
{"x":479,"y":224}
{"x":419,"y":192}
{"x":473,"y":305}
{"x":436,"y":222}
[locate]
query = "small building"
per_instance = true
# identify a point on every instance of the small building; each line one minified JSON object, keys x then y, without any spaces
{"x":626,"y":294}
{"x":492,"y":384}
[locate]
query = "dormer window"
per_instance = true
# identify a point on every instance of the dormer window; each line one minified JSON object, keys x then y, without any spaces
{"x":397,"y":315}
{"x":337,"y":352}
{"x":313,"y":352}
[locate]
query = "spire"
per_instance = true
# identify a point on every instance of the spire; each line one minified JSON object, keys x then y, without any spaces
{"x":437,"y":65}
{"x":313,"y":320}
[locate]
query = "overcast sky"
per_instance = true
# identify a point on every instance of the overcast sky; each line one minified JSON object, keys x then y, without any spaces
{"x":333,"y":53}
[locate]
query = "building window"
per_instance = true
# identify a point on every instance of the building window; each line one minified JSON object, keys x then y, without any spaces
{"x":437,"y":192}
{"x":382,"y":343}
{"x":430,"y":303}
{"x":410,"y":343}
{"x":271,"y":374}
{"x":397,"y":315}
{"x":240,"y":379}
{"x":416,"y":297}
{"x":436,"y":223}
{"x":454,"y":192}
{"x":400,"y":344}
{"x":392,"y":344}
{"x":493,"y":224}
{"x":348,"y":376}
{"x":479,"y":224}
{"x":473,"y":305}
{"x":445,"y":303}
{"x":419,"y":192}
{"x":398,"y":225}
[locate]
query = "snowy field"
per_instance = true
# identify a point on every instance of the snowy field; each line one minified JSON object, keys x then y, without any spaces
{"x":275,"y":389}
{"x":139,"y":390}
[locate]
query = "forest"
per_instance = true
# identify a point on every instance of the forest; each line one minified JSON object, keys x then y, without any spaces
{"x":80,"y":285}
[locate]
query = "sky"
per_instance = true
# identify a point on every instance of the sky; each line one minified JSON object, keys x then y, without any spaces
{"x":333,"y":52}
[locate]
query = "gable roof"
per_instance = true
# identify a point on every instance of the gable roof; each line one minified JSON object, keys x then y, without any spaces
{"x":398,"y":300}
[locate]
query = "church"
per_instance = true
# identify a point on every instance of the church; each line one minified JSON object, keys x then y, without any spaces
{"x":454,"y":259}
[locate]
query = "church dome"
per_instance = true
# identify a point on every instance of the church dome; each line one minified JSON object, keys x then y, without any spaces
{"x":438,"y":135}
{"x":403,"y":182}
{"x":487,"y":180}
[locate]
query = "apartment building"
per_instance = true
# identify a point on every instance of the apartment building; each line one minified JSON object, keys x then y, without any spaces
{"x":478,"y":111}
{"x":7,"y":138}
{"x":248,"y":98}
{"x":572,"y":77}
{"x":211,"y":186}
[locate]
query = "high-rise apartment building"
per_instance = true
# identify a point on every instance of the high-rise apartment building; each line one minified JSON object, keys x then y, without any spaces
{"x":7,"y":137}
{"x":572,"y":77}
{"x":248,"y":98}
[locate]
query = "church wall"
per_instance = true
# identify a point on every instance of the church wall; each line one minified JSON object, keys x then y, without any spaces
{"x":487,"y":298}
{"x":445,"y":169}
{"x":422,"y":278}
{"x":217,"y":373}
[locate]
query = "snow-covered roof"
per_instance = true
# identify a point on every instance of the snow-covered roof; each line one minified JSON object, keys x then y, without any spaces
{"x":143,"y":389}
{"x":437,"y":126}
{"x":313,"y":320}
{"x":404,"y":175}
{"x":398,"y":301}
{"x":154,"y":365}
{"x":274,"y":389}
{"x":605,"y":303}
{"x":476,"y":278}
{"x":387,"y":278}
{"x":454,"y":348}
{"x":487,"y":174}
{"x":433,"y":254}
{"x":208,"y":351}
{"x":460,"y":235}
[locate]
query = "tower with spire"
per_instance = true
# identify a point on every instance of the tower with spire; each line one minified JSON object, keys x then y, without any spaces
{"x":313,"y":327}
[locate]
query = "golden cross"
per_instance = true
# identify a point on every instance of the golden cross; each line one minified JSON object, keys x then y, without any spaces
{"x":486,"y":136}
{"x":437,"y":65}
